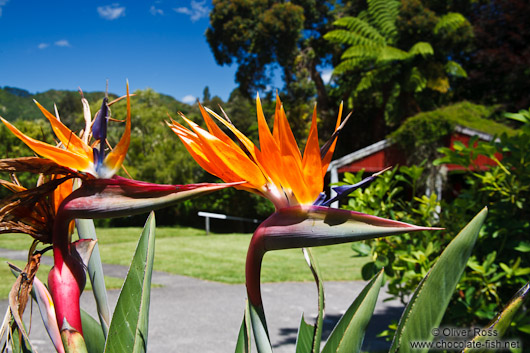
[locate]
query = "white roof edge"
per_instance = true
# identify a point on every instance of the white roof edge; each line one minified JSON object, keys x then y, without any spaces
{"x":472,"y":132}
{"x":359,"y":154}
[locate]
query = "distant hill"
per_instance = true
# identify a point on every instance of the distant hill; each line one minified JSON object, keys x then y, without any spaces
{"x":17,"y":103}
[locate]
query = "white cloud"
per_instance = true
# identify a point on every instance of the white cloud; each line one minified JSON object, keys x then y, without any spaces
{"x":2,"y":3}
{"x":62,"y":43}
{"x":43,"y":45}
{"x":111,"y":12}
{"x":326,"y":75}
{"x":196,"y":11}
{"x":154,"y":11}
{"x":189,"y":99}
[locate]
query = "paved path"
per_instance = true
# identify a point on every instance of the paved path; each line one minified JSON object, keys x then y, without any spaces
{"x":192,"y":315}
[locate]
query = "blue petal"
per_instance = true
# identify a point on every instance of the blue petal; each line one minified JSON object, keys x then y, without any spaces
{"x":99,"y":129}
{"x":345,"y":190}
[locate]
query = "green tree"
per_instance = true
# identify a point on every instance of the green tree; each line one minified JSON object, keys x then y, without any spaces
{"x":388,"y":53}
{"x":260,"y":36}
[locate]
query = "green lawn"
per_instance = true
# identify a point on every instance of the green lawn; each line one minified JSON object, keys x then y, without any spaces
{"x":216,"y":257}
{"x":7,"y":279}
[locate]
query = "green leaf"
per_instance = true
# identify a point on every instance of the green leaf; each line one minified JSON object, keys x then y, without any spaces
{"x":304,"y":339}
{"x":259,"y":327}
{"x":429,"y":302}
{"x":362,"y":249}
{"x":129,"y":326}
{"x":523,"y":247}
{"x":421,"y":48}
{"x":86,"y":230}
{"x":310,"y":336}
{"x":243,"y":339}
{"x":93,"y":334}
{"x":450,"y":23}
{"x":19,"y":345}
{"x":453,"y":68}
{"x":502,"y":321}
{"x":348,"y":334}
{"x":369,"y":270}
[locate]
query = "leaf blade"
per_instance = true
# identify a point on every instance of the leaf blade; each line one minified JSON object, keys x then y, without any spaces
{"x":129,"y":326}
{"x":348,"y":334}
{"x":428,"y":303}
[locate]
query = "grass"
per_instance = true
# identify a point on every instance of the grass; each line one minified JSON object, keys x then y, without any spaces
{"x":7,"y":279}
{"x":216,"y":257}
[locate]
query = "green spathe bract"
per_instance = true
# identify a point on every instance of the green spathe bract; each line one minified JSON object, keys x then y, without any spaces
{"x":86,"y":230}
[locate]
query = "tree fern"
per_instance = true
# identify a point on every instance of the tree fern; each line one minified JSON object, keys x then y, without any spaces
{"x":350,"y":65}
{"x":362,"y":52}
{"x":363,"y":32}
{"x":454,"y":69}
{"x":383,"y":14}
{"x":367,"y":81}
{"x":421,"y":48}
{"x":450,"y":23}
{"x":416,"y":81}
{"x":389,"y":53}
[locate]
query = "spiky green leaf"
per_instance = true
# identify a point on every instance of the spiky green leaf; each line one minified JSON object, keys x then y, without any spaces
{"x":93,"y":334}
{"x":129,"y":326}
{"x":429,"y":302}
{"x":502,"y":321}
{"x":243,"y":338}
{"x":348,"y":334}
{"x":259,"y":328}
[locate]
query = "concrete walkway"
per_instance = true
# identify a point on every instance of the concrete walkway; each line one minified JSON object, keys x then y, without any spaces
{"x":192,"y":315}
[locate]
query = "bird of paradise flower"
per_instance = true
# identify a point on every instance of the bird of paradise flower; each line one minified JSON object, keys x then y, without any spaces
{"x":47,"y":211}
{"x":292,"y":181}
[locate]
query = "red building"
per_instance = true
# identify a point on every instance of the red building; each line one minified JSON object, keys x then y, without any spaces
{"x":385,"y":153}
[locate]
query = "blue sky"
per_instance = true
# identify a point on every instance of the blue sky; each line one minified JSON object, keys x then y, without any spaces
{"x":69,"y":44}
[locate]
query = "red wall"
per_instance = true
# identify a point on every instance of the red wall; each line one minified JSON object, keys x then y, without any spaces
{"x":392,"y":156}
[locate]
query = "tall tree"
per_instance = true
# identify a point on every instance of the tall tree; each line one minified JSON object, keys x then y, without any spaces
{"x":388,"y":53}
{"x":261,"y":35}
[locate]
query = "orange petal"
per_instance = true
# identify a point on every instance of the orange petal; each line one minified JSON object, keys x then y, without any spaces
{"x":115,"y":158}
{"x":232,"y":164}
{"x":62,"y":191}
{"x":193,"y":145}
{"x":276,"y":128}
{"x":329,"y":154}
{"x":311,"y":163}
{"x":288,"y":143}
{"x":269,"y":157}
{"x":292,"y":176}
{"x":67,"y":137}
{"x":249,"y":145}
{"x":214,"y":129}
{"x":80,"y":162}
